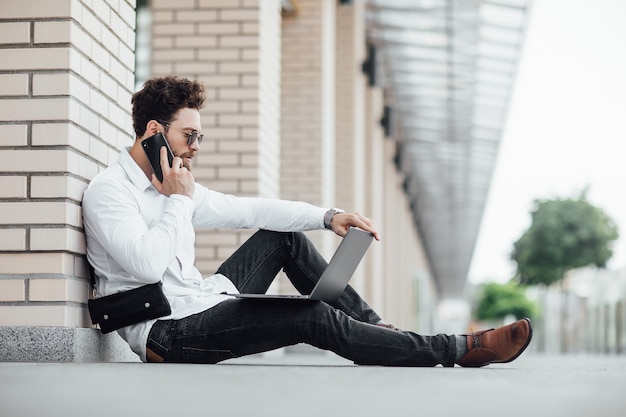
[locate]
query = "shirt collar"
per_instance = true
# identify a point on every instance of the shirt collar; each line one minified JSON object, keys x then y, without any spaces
{"x":134,"y":172}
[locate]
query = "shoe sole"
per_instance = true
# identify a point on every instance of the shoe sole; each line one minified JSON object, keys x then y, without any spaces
{"x":530,"y":336}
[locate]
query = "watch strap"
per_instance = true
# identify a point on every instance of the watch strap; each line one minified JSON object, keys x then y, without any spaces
{"x":328,"y":217}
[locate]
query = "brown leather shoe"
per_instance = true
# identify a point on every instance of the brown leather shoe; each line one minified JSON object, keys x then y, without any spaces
{"x":500,"y":345}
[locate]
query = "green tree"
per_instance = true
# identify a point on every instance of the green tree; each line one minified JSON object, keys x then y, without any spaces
{"x":564,"y":234}
{"x":500,"y":300}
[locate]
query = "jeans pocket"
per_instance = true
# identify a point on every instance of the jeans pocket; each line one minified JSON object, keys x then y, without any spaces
{"x":196,"y":355}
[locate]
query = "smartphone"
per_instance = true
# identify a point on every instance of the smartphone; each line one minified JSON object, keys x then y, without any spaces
{"x":152,"y":146}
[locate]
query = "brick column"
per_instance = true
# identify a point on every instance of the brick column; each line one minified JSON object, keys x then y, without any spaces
{"x":308,"y":108}
{"x":350,"y":149}
{"x":232,"y":47}
{"x":66,"y":74}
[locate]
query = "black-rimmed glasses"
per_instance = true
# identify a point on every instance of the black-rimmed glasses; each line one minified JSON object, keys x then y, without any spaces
{"x":191,"y":136}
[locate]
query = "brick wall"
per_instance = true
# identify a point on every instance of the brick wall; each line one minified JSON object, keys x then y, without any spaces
{"x":233,"y":47}
{"x":66,"y":75}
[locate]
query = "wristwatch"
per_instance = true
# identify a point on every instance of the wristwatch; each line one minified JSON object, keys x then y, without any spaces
{"x":329,"y":216}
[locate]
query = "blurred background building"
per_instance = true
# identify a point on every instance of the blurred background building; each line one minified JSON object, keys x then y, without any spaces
{"x":391,"y":108}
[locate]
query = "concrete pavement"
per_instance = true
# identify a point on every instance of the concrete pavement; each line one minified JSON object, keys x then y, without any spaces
{"x":313,"y":384}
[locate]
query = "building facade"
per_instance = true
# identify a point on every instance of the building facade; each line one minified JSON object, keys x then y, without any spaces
{"x":290,"y":114}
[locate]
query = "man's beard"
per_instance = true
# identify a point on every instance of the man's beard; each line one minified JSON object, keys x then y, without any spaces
{"x":186,"y":163}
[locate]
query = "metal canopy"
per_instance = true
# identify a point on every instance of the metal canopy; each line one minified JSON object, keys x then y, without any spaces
{"x":448,"y":68}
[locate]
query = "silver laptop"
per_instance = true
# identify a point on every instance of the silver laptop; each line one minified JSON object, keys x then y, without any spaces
{"x":337,"y":274}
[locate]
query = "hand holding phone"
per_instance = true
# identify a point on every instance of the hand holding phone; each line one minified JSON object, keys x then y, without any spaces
{"x":178,"y":179}
{"x":152,"y":146}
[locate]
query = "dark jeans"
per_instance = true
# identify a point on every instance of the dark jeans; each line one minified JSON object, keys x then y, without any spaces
{"x":241,"y":327}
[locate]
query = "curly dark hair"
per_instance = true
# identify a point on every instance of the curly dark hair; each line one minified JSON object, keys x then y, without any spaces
{"x":160,"y":98}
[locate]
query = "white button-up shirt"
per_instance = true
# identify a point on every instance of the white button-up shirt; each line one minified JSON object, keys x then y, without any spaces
{"x":137,"y":236}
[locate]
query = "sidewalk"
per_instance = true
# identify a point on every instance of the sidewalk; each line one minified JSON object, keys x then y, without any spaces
{"x":316,"y":385}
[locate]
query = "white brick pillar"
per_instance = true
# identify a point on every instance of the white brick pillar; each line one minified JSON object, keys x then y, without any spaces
{"x":233,"y":48}
{"x":66,"y":75}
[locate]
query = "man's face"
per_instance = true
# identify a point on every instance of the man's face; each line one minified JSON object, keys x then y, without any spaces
{"x":185,"y":122}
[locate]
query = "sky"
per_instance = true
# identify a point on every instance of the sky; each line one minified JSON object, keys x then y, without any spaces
{"x":566,"y":127}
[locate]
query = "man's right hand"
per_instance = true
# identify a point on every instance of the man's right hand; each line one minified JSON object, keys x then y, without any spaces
{"x":176,"y":179}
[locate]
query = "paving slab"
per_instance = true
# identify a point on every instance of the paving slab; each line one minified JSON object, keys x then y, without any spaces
{"x":314,"y":384}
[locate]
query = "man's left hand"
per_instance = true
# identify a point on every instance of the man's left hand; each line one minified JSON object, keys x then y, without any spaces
{"x":341,"y":223}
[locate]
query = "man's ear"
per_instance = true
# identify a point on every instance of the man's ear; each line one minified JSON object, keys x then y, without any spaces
{"x":152,"y":128}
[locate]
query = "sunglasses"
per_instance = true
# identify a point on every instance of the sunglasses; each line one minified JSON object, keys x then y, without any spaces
{"x":191,"y":137}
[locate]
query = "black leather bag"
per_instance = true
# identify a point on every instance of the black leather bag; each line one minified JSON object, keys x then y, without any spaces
{"x":129,"y":307}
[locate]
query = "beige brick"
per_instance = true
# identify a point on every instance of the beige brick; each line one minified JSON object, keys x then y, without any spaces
{"x":220,"y":133}
{"x":250,"y":80}
{"x":162,"y":16}
{"x":250,"y":54}
{"x":239,"y":15}
{"x":208,"y":267}
{"x":173,"y":4}
{"x":212,"y":238}
{"x":174,"y":29}
{"x":12,"y":290}
{"x":57,"y":186}
{"x":218,"y":28}
{"x":238,"y":172}
{"x":238,"y":120}
{"x":56,"y":212}
{"x":13,"y":84}
{"x":238,"y":93}
{"x":58,"y":290}
{"x":50,"y":134}
{"x":18,"y":9}
{"x":222,"y":80}
{"x":250,"y":107}
{"x":35,"y":109}
{"x":12,"y":239}
{"x":14,"y":32}
{"x":36,"y":263}
{"x":196,"y":41}
{"x":220,"y":54}
{"x":174,"y":54}
{"x":81,"y":267}
{"x":239,"y":67}
{"x":50,"y":160}
{"x":159,"y":42}
{"x":34,"y":59}
{"x":51,"y":84}
{"x":218,"y":4}
{"x":14,"y":135}
{"x":52,"y":32}
{"x":225,"y":186}
{"x":250,"y":28}
{"x":250,"y":133}
{"x":196,"y":15}
{"x":13,"y":187}
{"x":38,"y":316}
{"x":214,"y":107}
{"x":57,"y":239}
{"x":224,"y":252}
{"x":195,"y":67}
{"x":241,"y":41}
{"x":238,"y":146}
{"x":222,"y":159}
